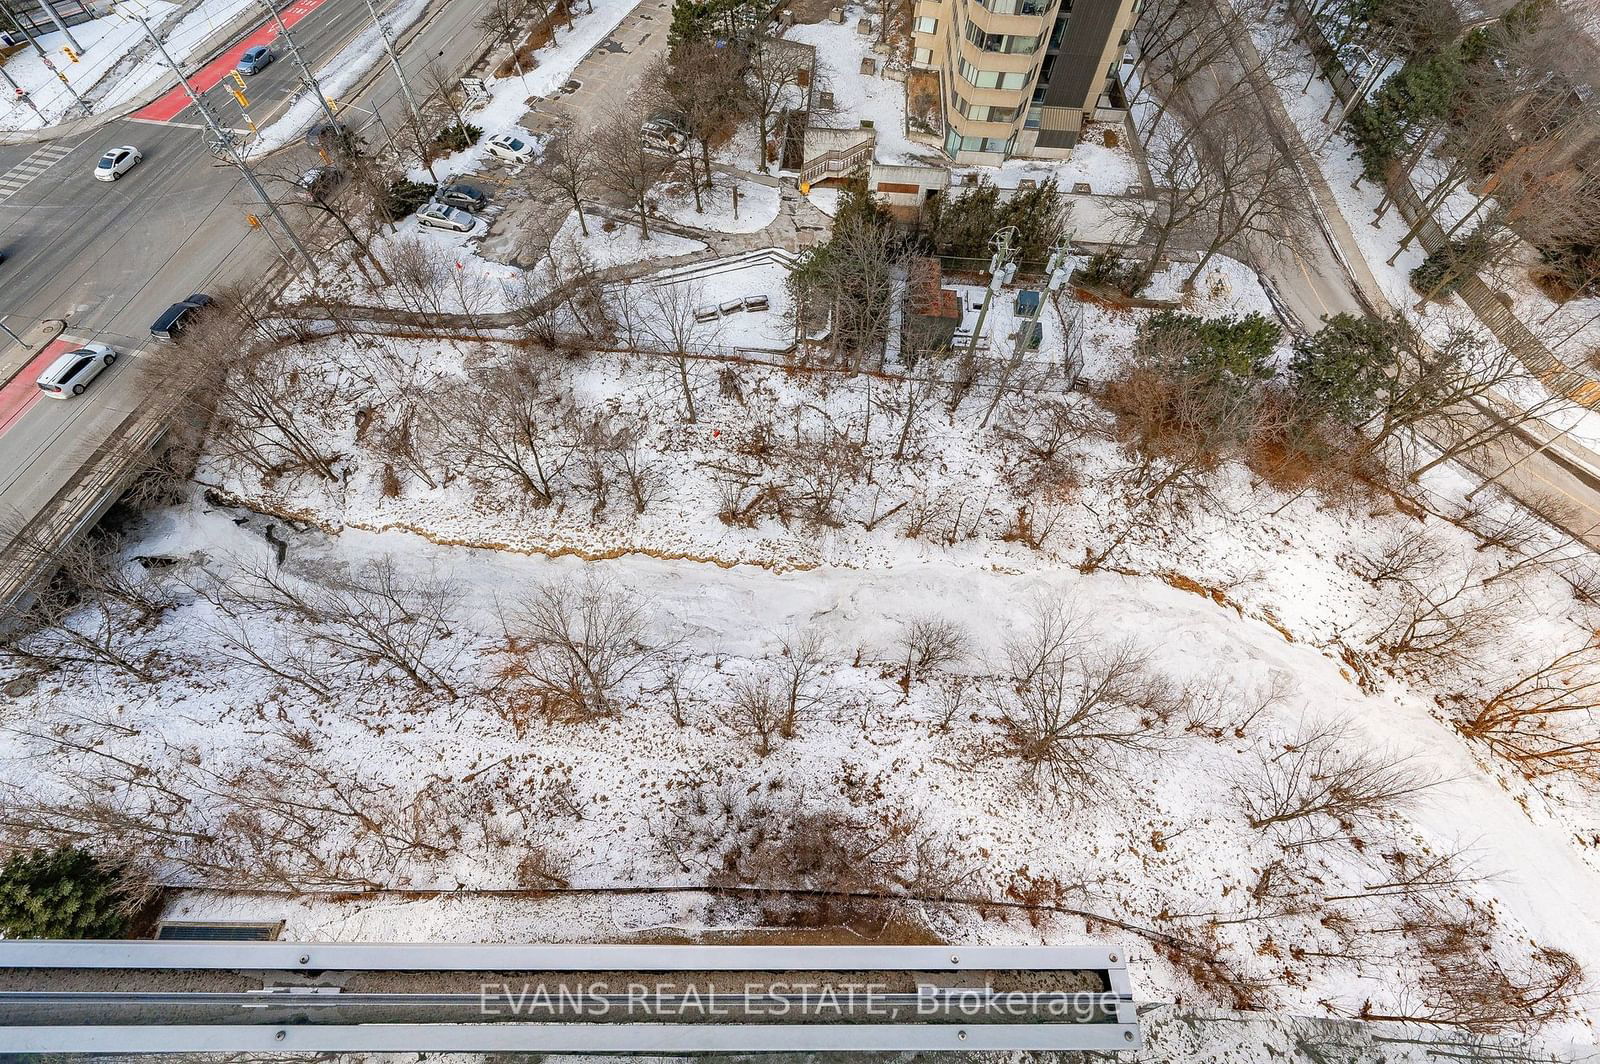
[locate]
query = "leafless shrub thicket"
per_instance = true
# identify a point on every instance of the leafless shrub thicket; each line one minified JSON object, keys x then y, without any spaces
{"x":1444,"y":624}
{"x":1077,"y":708}
{"x":928,"y":644}
{"x":1407,"y":556}
{"x":362,"y":626}
{"x":1038,"y":441}
{"x":575,"y":645}
{"x":294,"y":815}
{"x":854,"y":863}
{"x":1468,"y":987}
{"x":100,"y":609}
{"x":1323,"y":774}
{"x":1547,"y":718}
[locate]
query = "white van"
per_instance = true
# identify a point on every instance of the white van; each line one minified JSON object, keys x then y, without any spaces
{"x":70,"y":374}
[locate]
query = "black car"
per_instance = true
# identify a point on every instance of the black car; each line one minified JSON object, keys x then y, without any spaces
{"x":178,"y":317}
{"x":466,"y":197}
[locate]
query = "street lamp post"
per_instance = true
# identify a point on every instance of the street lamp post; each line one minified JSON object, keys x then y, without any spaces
{"x":307,"y":78}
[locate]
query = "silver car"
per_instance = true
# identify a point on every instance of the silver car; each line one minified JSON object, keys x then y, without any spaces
{"x":438,"y":216}
{"x":70,"y":374}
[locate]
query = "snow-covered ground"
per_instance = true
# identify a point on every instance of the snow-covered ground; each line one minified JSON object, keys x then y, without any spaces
{"x":757,"y":207}
{"x":1243,"y":596}
{"x":857,"y":96}
{"x":106,"y":42}
{"x":200,"y":26}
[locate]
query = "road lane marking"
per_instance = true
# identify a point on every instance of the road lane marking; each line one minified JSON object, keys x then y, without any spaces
{"x":176,"y":101}
{"x":22,"y":390}
{"x":20,"y":175}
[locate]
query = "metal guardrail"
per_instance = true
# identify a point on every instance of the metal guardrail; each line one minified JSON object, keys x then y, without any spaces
{"x":133,"y":997}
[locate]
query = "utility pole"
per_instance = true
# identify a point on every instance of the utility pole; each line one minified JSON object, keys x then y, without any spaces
{"x":22,"y":94}
{"x":1056,"y":273}
{"x":405,"y":89}
{"x":224,"y":143}
{"x":1002,"y":268}
{"x":50,"y":65}
{"x":50,"y":9}
{"x":308,"y":79}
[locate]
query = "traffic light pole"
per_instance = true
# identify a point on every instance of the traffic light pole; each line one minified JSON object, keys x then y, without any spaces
{"x":22,"y":94}
{"x":50,"y":9}
{"x":49,"y":65}
{"x":405,"y":88}
{"x":223,"y":143}
{"x":308,"y":79}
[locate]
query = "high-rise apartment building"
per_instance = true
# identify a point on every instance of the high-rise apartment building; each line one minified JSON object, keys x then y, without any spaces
{"x":1022,"y":77}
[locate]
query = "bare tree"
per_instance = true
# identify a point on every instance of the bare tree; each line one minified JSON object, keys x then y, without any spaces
{"x":509,"y":421}
{"x":582,"y":640}
{"x":702,"y":84}
{"x":1322,"y":772}
{"x":1443,"y":624}
{"x":756,"y":712}
{"x":1529,"y":720}
{"x":672,"y":322}
{"x":374,"y":620}
{"x":930,"y":643}
{"x":799,"y":670}
{"x":1076,"y":709}
{"x":97,"y":608}
{"x":773,"y":69}
{"x":570,"y":165}
{"x":1405,"y":556}
{"x":628,"y":169}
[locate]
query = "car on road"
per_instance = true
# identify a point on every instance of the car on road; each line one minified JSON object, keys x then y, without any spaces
{"x":320,"y":182}
{"x":439,"y":216}
{"x":466,"y":197}
{"x":116,"y":162}
{"x":510,"y":147}
{"x":255,"y":60}
{"x":70,"y":374}
{"x":178,"y":317}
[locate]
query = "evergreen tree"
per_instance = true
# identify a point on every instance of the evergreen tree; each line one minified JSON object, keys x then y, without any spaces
{"x":1344,"y":368}
{"x":1213,"y":348}
{"x":63,"y":893}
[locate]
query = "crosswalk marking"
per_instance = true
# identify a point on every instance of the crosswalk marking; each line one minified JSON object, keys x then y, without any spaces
{"x":18,"y":177}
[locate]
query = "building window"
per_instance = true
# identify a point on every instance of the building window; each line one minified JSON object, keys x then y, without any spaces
{"x":923,"y":56}
{"x":992,"y":79}
{"x":927,"y":24}
{"x":955,"y":142}
{"x":1032,"y":121}
{"x":1009,"y":44}
{"x":1017,"y":7}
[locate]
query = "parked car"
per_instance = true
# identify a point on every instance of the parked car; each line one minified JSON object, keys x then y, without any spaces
{"x":255,"y":60}
{"x":116,"y":162}
{"x":663,"y":136}
{"x":510,"y":147}
{"x":466,"y":197}
{"x":70,"y":374}
{"x":178,"y":317}
{"x":439,"y":216}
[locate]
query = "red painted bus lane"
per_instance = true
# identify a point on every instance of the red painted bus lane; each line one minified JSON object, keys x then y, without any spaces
{"x":175,"y":101}
{"x":22,"y":391}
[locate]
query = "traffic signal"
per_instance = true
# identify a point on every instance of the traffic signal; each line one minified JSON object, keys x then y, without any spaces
{"x":238,"y":77}
{"x":72,"y":55}
{"x":237,"y":95}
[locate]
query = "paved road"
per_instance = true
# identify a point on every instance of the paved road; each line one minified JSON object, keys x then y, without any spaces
{"x":107,"y":258}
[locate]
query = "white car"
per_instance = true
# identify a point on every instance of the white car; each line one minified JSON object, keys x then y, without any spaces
{"x":438,"y":216}
{"x":70,"y":374}
{"x":510,"y":147}
{"x":116,"y":162}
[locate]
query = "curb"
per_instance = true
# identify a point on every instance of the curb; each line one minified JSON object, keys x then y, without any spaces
{"x":230,"y":36}
{"x":55,"y":327}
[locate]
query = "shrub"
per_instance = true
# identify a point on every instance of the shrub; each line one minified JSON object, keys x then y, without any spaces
{"x":1108,"y":270}
{"x":1242,"y":347}
{"x":1443,"y":271}
{"x":405,"y":196}
{"x":65,"y":893}
{"x":458,"y":137}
